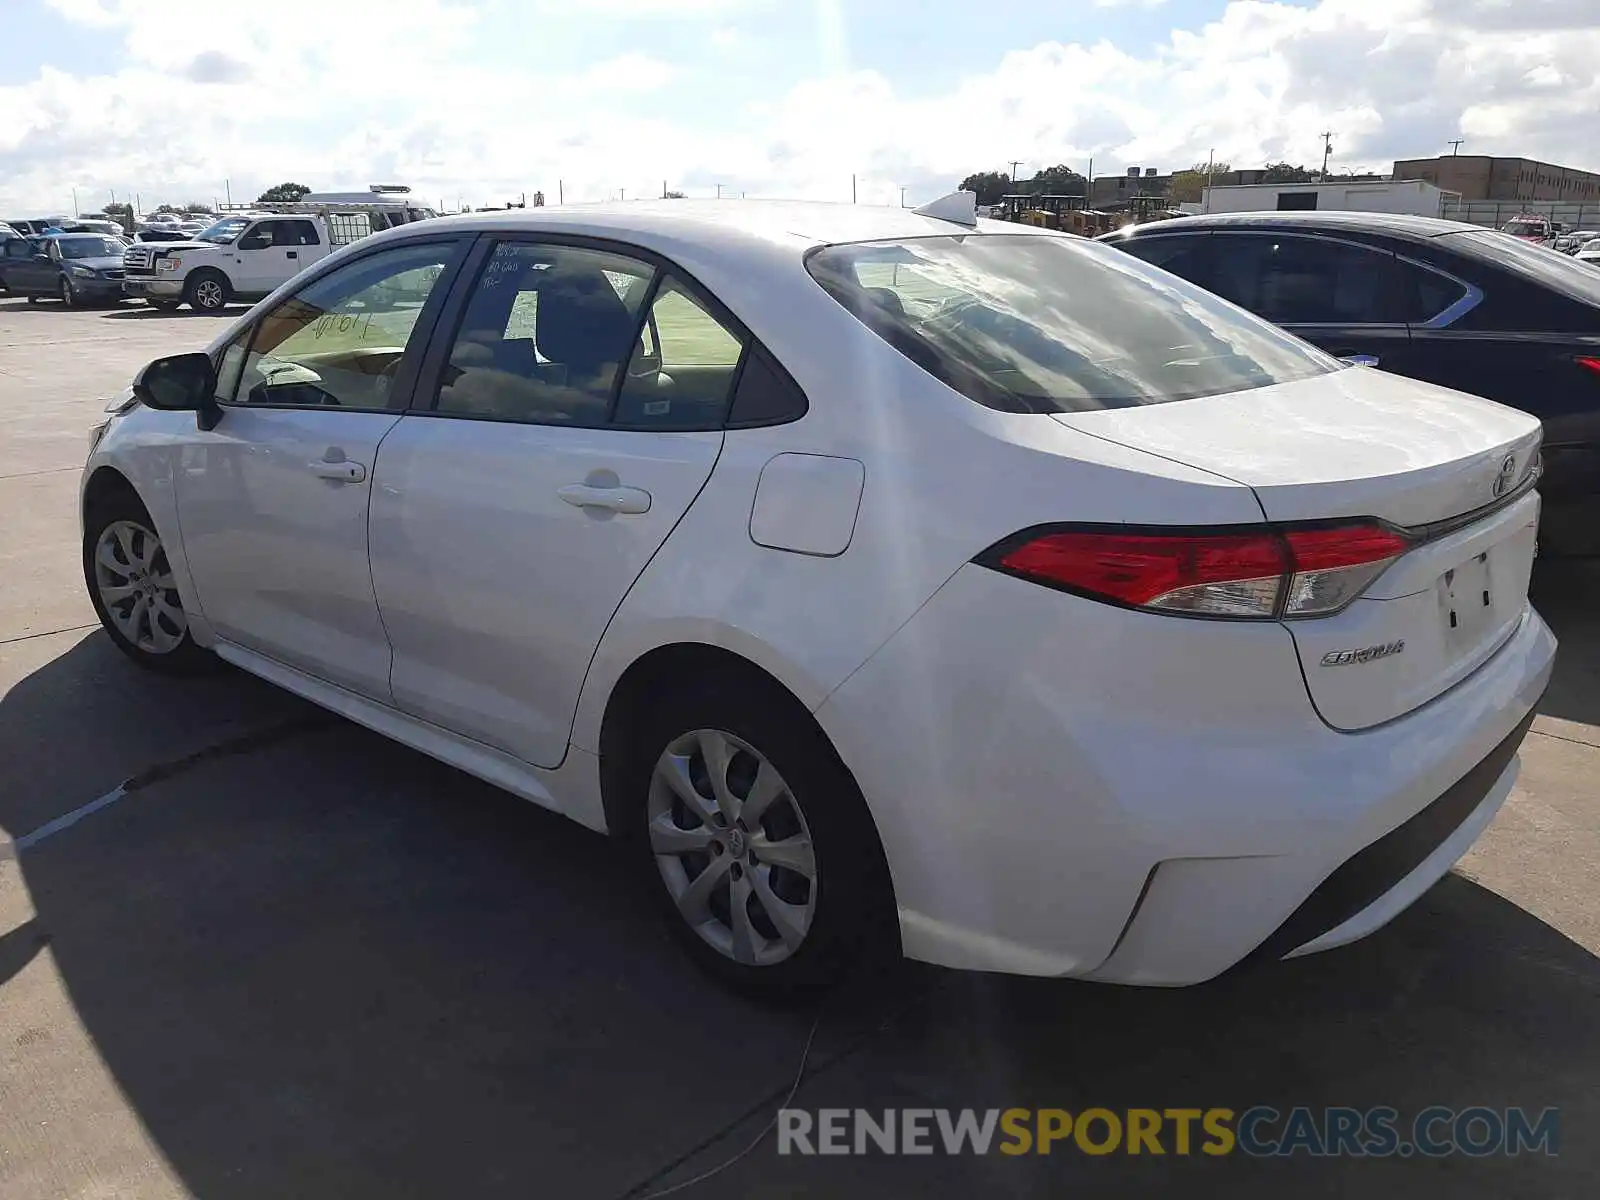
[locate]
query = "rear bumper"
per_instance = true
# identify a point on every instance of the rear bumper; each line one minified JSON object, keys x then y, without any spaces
{"x":1122,"y":797}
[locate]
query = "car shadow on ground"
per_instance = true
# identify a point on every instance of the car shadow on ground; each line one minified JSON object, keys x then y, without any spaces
{"x":1566,"y":592}
{"x":146,"y":312}
{"x":317,"y":964}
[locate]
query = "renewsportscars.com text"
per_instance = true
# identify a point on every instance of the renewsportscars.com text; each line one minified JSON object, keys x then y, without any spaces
{"x":1259,"y":1131}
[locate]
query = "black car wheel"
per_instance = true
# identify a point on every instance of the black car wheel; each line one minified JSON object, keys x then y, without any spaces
{"x":68,"y":296}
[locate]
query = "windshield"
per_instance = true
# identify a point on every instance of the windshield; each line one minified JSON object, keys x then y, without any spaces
{"x":1523,"y":229}
{"x":90,"y":247}
{"x":223,"y":231}
{"x":1055,"y":324}
{"x":1556,"y":271}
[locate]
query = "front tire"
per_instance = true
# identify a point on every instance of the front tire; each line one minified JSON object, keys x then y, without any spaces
{"x":132,"y":588}
{"x":208,"y":292}
{"x":68,"y":296}
{"x":756,"y":842}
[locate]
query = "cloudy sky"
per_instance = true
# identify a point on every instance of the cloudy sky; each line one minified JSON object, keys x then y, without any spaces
{"x":483,"y":99}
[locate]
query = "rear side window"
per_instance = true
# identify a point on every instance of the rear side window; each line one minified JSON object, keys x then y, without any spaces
{"x":295,"y":233}
{"x":1305,"y":281}
{"x":1547,"y":268}
{"x":1036,"y":323}
{"x":1185,"y":256}
{"x":1425,"y":294}
{"x":683,"y":365}
{"x":545,"y":334}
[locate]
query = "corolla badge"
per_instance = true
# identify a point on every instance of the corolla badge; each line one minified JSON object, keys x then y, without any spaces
{"x":1341,"y":658}
{"x":1507,"y":476}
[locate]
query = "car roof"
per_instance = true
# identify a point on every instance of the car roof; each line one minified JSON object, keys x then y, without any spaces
{"x":726,"y":224}
{"x":1396,"y":224}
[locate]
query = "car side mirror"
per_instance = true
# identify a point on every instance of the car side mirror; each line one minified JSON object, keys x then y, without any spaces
{"x":181,"y":383}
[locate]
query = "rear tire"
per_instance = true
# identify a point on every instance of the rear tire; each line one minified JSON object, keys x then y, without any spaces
{"x":208,"y":292}
{"x":711,"y":745}
{"x":129,"y":577}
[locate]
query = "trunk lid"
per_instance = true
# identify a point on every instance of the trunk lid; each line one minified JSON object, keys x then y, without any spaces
{"x":1361,"y":443}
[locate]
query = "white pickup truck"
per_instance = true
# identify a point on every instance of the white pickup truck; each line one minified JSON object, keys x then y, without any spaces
{"x":247,"y":255}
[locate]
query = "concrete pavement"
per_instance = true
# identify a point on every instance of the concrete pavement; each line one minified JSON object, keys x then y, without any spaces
{"x":298,"y":960}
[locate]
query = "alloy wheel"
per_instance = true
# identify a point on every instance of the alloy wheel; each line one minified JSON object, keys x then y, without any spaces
{"x":733,"y":847}
{"x":135,"y":583}
{"x":208,"y":294}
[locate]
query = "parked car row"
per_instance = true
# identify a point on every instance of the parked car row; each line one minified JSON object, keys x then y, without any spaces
{"x":1468,"y":308}
{"x":75,"y":268}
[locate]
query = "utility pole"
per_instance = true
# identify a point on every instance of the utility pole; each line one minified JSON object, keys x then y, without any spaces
{"x":719,"y":191}
{"x":1211,"y":162}
{"x":561,"y":192}
{"x":663,"y":189}
{"x":1455,"y":146}
{"x":227,"y":189}
{"x":74,"y":201}
{"x":902,"y":195}
{"x":1015,"y":163}
{"x":852,"y":187}
{"x":1327,"y":149}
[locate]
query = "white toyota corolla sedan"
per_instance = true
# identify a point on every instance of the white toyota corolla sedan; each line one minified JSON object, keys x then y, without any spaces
{"x":886,"y":581}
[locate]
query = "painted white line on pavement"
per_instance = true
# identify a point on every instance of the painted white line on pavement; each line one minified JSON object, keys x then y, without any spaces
{"x":66,"y":821}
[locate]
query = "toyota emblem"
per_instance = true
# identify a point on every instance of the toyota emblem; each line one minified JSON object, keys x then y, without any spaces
{"x":1507,"y":476}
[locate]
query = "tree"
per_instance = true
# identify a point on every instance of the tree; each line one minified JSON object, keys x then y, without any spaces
{"x":197,"y":208}
{"x":989,"y":185}
{"x":1282,"y":172}
{"x":284,"y":193}
{"x":1059,"y":180}
{"x":1189,"y":186}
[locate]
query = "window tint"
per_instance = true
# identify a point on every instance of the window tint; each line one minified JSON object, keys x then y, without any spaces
{"x":766,"y":395}
{"x":1054,"y":324}
{"x":1292,"y":280}
{"x":1534,"y":263}
{"x":683,"y":366}
{"x":1426,"y":293}
{"x":1185,"y":256}
{"x":544,"y":335}
{"x":294,"y":234}
{"x":340,"y":340}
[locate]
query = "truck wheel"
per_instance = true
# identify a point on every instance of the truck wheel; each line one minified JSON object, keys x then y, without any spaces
{"x":207,"y":291}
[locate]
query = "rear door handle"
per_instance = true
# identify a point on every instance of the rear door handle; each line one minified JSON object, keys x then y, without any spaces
{"x":339,"y":472}
{"x":612,"y":499}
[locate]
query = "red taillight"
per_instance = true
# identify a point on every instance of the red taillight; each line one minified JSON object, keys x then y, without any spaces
{"x":1259,"y":574}
{"x":1584,"y":360}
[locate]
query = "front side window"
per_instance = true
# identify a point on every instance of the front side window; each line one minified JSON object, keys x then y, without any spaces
{"x":683,"y":365}
{"x":545,"y":334}
{"x":1184,"y":256}
{"x":1035,"y":323}
{"x":339,"y":341}
{"x":260,"y":237}
{"x":1304,"y":280}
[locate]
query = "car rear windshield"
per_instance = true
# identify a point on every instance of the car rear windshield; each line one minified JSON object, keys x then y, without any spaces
{"x":1549,"y":268}
{"x":1040,"y":324}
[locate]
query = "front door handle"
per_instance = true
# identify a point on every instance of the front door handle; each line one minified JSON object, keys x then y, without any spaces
{"x":612,"y":499}
{"x":293,"y":254}
{"x":339,"y":472}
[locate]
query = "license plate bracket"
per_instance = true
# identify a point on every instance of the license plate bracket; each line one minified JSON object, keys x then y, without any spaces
{"x":1466,"y":600}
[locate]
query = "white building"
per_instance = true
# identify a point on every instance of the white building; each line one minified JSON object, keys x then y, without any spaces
{"x":1413,"y":196}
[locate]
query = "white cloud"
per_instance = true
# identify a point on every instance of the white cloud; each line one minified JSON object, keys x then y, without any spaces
{"x":244,"y":95}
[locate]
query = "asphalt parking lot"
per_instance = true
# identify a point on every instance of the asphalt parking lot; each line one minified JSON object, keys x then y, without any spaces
{"x":298,"y":960}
